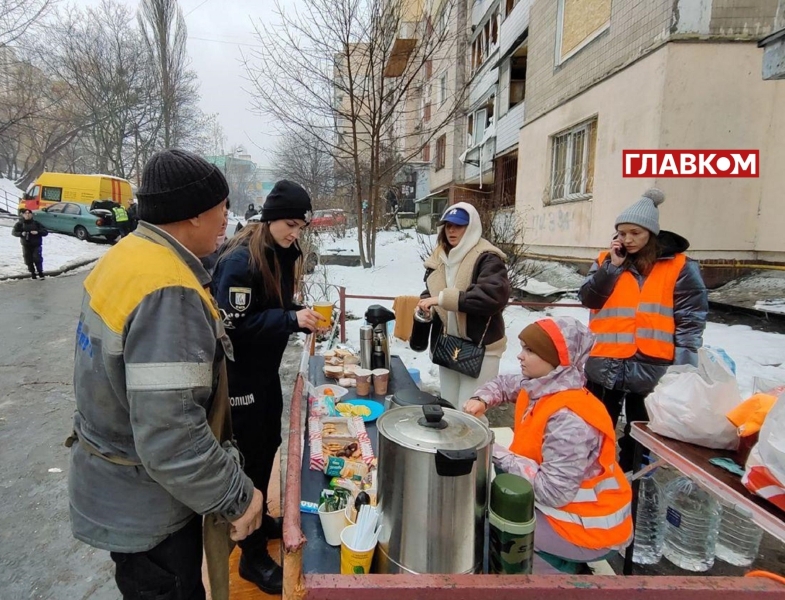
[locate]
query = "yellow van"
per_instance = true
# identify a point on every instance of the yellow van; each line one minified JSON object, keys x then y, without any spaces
{"x":51,"y":188}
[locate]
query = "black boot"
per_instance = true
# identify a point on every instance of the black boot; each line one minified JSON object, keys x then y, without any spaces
{"x":33,"y":275}
{"x":260,"y":568}
{"x":272,"y":527}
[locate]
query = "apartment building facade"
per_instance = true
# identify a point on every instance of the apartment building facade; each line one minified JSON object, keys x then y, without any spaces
{"x":603,"y":76}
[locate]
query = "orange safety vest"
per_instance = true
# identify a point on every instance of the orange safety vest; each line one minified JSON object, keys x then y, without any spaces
{"x":600,"y":515}
{"x":638,"y":319}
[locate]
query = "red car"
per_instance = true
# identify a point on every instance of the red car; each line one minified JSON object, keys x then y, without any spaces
{"x":333,"y":219}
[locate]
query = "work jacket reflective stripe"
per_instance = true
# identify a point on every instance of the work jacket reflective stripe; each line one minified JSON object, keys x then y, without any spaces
{"x":638,"y":318}
{"x":600,"y":515}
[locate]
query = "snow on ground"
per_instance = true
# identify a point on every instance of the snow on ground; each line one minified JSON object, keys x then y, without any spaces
{"x":59,"y":251}
{"x":776,"y":305}
{"x":399,"y":271}
{"x":9,"y":196}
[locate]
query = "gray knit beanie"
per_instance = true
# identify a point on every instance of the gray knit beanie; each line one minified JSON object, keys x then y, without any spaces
{"x":644,"y":212}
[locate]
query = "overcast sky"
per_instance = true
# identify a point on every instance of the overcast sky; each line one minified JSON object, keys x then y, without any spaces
{"x":218,"y":30}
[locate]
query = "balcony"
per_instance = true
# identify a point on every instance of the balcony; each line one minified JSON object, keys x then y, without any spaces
{"x":509,"y":129}
{"x":402,"y":48}
{"x":514,"y":25}
{"x":478,"y":162}
{"x":484,"y":80}
{"x":481,"y":9}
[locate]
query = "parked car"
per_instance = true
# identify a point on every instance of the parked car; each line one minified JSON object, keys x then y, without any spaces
{"x":76,"y":219}
{"x":330,"y":219}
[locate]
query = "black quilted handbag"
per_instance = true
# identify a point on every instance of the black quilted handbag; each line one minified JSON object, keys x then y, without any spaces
{"x":458,"y":354}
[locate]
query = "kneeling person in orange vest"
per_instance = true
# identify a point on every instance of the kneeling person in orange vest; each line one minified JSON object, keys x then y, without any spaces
{"x":564,"y":444}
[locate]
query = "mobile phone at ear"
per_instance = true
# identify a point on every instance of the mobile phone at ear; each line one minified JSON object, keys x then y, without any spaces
{"x":620,"y":252}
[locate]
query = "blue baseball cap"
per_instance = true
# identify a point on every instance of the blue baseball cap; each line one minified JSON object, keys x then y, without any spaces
{"x":456,"y":216}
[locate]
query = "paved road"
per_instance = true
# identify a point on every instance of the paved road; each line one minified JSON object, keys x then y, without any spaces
{"x":38,"y":557}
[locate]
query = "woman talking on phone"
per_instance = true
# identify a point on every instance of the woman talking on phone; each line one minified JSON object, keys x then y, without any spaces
{"x":254,"y":284}
{"x":648,"y":311}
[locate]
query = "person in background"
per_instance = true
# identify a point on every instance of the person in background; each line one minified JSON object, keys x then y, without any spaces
{"x":467,"y":289}
{"x":121,"y":219}
{"x":564,"y":444}
{"x":151,"y":450}
{"x":133,"y":214}
{"x":208,"y":262}
{"x":254,"y":284}
{"x":30,"y":232}
{"x":648,"y":311}
{"x":251,"y":212}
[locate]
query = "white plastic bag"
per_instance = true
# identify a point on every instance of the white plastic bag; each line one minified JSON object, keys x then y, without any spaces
{"x":690,"y":403}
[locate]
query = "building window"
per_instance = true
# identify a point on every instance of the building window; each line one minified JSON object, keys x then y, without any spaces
{"x":441,"y":152}
{"x":572,"y":163}
{"x":479,"y":121}
{"x":578,"y":23}
{"x":443,"y":88}
{"x":426,"y":153}
{"x":509,"y":6}
{"x":518,"y":63}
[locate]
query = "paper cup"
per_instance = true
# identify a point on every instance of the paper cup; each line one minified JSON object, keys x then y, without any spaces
{"x":325,"y":309}
{"x":363,"y":378}
{"x":332,"y":525}
{"x":354,"y":561}
{"x":350,"y":518}
{"x":381,"y":378}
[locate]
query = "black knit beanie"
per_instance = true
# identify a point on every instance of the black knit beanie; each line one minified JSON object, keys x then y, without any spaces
{"x":287,"y":200}
{"x":178,"y":185}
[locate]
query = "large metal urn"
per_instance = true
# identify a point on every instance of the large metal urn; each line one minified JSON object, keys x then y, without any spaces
{"x":434,"y":465}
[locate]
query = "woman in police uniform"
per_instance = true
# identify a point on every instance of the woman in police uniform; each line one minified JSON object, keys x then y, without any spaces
{"x":649,"y":306}
{"x":254,"y":284}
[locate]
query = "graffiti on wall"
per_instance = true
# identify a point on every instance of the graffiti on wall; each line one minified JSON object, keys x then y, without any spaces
{"x":554,"y":220}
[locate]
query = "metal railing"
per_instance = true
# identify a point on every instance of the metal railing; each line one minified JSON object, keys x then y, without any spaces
{"x":343,"y":297}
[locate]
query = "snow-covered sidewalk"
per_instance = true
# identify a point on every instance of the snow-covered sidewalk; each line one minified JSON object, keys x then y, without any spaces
{"x":60,"y":251}
{"x":399,"y":271}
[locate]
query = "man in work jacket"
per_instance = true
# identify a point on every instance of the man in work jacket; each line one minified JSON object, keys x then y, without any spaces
{"x":148,"y":380}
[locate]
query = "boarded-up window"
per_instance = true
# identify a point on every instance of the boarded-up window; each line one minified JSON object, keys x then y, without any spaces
{"x":580,"y":20}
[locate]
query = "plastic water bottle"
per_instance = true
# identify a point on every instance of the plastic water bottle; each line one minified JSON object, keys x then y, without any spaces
{"x":649,"y":522}
{"x":692,"y":519}
{"x":739,"y":538}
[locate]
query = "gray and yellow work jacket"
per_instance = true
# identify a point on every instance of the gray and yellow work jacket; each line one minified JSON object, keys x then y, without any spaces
{"x":149,"y":349}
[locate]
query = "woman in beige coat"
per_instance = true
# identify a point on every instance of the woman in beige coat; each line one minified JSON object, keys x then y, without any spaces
{"x":467,"y":290}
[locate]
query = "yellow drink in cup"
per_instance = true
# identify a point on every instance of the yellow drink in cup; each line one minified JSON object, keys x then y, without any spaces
{"x":325,"y":309}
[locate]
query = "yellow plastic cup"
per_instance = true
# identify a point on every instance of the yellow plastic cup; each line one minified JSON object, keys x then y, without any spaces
{"x":354,"y":561}
{"x":325,"y":309}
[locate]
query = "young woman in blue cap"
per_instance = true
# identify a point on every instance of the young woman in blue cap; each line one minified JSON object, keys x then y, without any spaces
{"x":467,"y":290}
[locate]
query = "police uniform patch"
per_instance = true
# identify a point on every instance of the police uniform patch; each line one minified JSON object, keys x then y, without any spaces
{"x":240,"y":298}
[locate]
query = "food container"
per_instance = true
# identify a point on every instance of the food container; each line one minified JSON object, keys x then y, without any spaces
{"x":433,"y":490}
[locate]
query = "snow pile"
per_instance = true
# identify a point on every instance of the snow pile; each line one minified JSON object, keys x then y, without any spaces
{"x":762,"y":291}
{"x":776,"y":305}
{"x":399,"y":271}
{"x":9,"y":196}
{"x":59,"y":251}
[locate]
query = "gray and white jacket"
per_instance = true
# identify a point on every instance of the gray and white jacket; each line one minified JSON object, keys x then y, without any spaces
{"x":149,"y":345}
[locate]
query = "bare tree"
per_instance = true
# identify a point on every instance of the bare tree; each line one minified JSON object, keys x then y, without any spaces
{"x":304,"y":159}
{"x":163,"y":28}
{"x":335,"y":69}
{"x":17,"y":16}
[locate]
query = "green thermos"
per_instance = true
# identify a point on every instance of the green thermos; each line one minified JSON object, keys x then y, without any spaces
{"x":511,"y":517}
